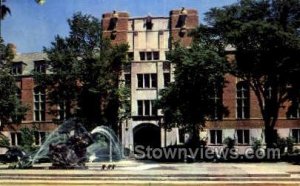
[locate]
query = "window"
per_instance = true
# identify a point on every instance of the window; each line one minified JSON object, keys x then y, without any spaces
{"x":268,"y":92}
{"x":40,"y":66}
{"x":181,"y":133}
{"x":140,"y":108}
{"x":294,"y":110}
{"x":142,"y":56}
{"x":140,"y":78}
{"x":147,"y":80}
{"x":61,"y":107}
{"x":39,"y":137}
{"x":149,"y":56}
{"x":155,"y":55}
{"x":17,"y":68}
{"x":216,"y":137}
{"x":296,"y":135}
{"x":167,"y":79}
{"x":130,"y":56}
{"x":39,"y":104}
{"x":243,"y":100}
{"x":17,"y":118}
{"x":167,"y":66}
{"x":153,"y":80}
{"x":149,"y":23}
{"x":217,"y":100}
{"x":146,"y":108}
{"x":15,"y":138}
{"x":127,"y":78}
{"x":243,"y":136}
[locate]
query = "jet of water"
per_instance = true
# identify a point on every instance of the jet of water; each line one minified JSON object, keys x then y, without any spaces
{"x":105,"y":146}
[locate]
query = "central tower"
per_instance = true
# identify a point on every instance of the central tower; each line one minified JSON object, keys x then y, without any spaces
{"x":149,"y":39}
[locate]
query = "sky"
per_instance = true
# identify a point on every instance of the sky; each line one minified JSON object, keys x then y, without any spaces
{"x":31,"y":26}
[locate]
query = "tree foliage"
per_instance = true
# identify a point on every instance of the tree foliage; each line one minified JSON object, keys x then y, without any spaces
{"x":84,"y":72}
{"x":11,"y":108}
{"x":27,"y":140}
{"x":4,"y":9}
{"x":4,"y":141}
{"x":265,"y":34}
{"x":199,"y":72}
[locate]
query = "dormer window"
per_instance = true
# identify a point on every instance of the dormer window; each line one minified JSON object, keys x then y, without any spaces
{"x":149,"y":23}
{"x":40,"y":66}
{"x":17,"y":68}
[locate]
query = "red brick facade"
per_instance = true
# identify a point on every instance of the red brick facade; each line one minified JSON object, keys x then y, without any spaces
{"x":26,"y":85}
{"x":255,"y":120}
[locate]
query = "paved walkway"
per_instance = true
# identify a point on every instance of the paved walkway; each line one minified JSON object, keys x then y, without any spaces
{"x":146,"y":173}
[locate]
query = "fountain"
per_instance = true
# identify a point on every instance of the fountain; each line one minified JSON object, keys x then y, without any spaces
{"x":106,"y":145}
{"x":71,"y":145}
{"x":72,"y":153}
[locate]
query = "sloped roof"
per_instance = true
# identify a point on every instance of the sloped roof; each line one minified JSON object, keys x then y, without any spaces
{"x":28,"y":59}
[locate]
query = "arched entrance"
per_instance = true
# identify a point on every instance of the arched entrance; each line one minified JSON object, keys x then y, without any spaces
{"x":145,"y":135}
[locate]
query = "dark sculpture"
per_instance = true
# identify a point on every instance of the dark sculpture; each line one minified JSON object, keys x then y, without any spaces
{"x":72,"y":153}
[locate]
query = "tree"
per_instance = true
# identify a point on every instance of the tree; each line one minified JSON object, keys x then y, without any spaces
{"x":4,"y":10}
{"x":199,"y":73}
{"x":11,"y":108}
{"x":265,"y":34}
{"x":84,"y":72}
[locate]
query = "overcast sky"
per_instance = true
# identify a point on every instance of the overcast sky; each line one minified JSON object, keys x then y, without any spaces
{"x":31,"y":26}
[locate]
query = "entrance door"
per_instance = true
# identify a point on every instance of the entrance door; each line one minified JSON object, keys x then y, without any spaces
{"x":146,"y":135}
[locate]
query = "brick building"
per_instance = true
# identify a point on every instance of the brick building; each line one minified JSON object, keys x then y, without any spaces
{"x":149,"y":39}
{"x":37,"y":116}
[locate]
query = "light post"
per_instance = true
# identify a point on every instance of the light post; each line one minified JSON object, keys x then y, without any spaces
{"x":160,"y":123}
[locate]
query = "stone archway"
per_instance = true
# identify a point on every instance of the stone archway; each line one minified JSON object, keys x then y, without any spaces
{"x":146,"y":134}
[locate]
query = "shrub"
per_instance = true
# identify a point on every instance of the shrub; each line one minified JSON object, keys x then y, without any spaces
{"x":257,"y":144}
{"x":229,"y":142}
{"x":290,"y":144}
{"x":229,"y":150}
{"x":27,"y":140}
{"x":4,"y":141}
{"x":281,"y":143}
{"x":256,"y":147}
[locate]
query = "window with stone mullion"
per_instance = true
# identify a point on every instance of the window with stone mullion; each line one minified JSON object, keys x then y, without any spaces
{"x":39,"y":104}
{"x":243,"y":100}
